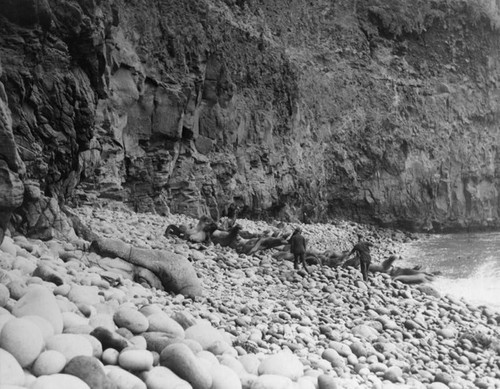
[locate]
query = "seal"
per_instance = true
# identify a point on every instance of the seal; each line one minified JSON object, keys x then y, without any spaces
{"x":225,"y":238}
{"x":418,"y":278}
{"x":403,"y":274}
{"x":200,"y":233}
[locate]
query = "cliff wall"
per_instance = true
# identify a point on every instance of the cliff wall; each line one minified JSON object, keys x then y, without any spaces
{"x":379,"y":111}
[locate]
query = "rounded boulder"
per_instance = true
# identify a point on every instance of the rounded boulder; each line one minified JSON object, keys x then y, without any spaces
{"x":90,"y":371}
{"x":48,"y":362}
{"x":11,"y":372}
{"x":124,"y":379}
{"x":206,"y":335}
{"x":135,"y":360}
{"x":39,"y":301}
{"x":59,"y":381}
{"x":271,"y":381}
{"x":181,"y":360}
{"x":4,"y":295}
{"x":131,"y":319}
{"x":161,"y":322}
{"x":70,"y":345}
{"x":160,"y":377}
{"x":224,"y":377}
{"x":109,"y":339}
{"x":23,"y":339}
{"x":284,"y":364}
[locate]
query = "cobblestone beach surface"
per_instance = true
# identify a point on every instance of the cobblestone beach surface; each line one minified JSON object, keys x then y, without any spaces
{"x":260,"y":324}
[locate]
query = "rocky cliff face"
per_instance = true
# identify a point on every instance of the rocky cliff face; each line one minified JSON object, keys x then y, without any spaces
{"x":373,"y":110}
{"x":11,"y":166}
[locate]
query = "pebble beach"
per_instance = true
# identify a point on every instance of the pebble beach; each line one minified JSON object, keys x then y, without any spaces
{"x":260,"y":324}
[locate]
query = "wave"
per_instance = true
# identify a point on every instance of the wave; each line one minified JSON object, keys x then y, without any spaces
{"x":477,"y":291}
{"x":469,"y":265}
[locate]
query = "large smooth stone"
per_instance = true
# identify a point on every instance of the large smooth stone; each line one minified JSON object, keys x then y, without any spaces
{"x":59,"y":381}
{"x":23,"y":339}
{"x":271,"y":381}
{"x":206,"y":335}
{"x":157,"y":341}
{"x":11,"y":372}
{"x":358,"y":349}
{"x":70,"y":345}
{"x":341,"y":348}
{"x":330,"y":354}
{"x":138,"y":342}
{"x":17,"y":288}
{"x":180,"y":359}
{"x":393,"y":374}
{"x":110,"y":356}
{"x":65,"y":305}
{"x":437,"y":385}
{"x":123,"y":379}
{"x":364,"y":331}
{"x":148,"y":310}
{"x":192,"y":344}
{"x":104,"y":320}
{"x":39,"y":301}
{"x":184,"y":318}
{"x":251,"y":363}
{"x":160,"y":377}
{"x":234,"y":364}
{"x":208,"y":358}
{"x":161,"y":322}
{"x":224,"y":378}
{"x":4,"y":295}
{"x":29,"y":379}
{"x":283,"y":363}
{"x":84,"y":294}
{"x":447,"y":333}
{"x":89,"y":370}
{"x":96,"y":345}
{"x":49,"y":362}
{"x":47,"y":273}
{"x":73,"y":320}
{"x":326,"y":382}
{"x":4,"y":318}
{"x":135,"y":360}
{"x":131,"y":319}
{"x":24,"y":265}
{"x":43,"y":324}
{"x":8,"y":246}
{"x":109,"y":339}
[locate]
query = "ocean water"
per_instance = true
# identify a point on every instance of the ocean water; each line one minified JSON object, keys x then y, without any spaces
{"x":468,"y":263}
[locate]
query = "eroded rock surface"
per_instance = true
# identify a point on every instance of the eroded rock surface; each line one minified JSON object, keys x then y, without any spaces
{"x":11,"y":166}
{"x":377,"y":111}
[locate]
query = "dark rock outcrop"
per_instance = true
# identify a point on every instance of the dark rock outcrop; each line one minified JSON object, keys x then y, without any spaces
{"x":382,"y":112}
{"x":11,"y":166}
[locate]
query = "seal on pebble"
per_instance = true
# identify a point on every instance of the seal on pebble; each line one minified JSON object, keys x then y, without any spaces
{"x":225,"y":238}
{"x":200,"y":233}
{"x":403,"y":274}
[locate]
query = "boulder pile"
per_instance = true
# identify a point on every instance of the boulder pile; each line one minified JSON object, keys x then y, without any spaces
{"x":66,"y":322}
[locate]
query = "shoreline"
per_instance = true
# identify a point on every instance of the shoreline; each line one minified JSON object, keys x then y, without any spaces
{"x":282,"y":328}
{"x":469,"y":270}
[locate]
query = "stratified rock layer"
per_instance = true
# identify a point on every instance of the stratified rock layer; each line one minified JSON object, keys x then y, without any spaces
{"x":378,"y":111}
